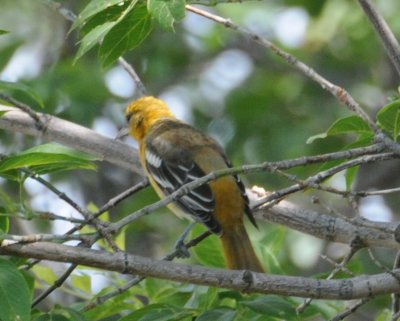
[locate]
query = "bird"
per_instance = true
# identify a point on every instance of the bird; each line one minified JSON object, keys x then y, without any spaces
{"x":172,"y":154}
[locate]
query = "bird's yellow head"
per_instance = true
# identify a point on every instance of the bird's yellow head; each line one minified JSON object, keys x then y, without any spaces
{"x":143,"y":113}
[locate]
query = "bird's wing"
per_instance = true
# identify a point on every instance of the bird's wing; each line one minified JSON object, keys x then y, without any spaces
{"x":171,"y":167}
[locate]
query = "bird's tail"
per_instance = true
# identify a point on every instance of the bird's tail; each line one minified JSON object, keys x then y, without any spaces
{"x":239,"y":253}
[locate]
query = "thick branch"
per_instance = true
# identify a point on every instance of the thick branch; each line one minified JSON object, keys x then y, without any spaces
{"x":332,"y":228}
{"x":343,"y":289}
{"x":73,"y":135}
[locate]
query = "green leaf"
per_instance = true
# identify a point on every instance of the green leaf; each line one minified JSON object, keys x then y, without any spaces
{"x":3,"y":32}
{"x":48,"y":158}
{"x":4,"y":224}
{"x":346,"y":125}
{"x":351,"y":174}
{"x":51,"y":317}
{"x":384,"y":315}
{"x":313,"y":138}
{"x":271,"y":246}
{"x":125,"y":35}
{"x":166,"y":12}
{"x":2,"y":236}
{"x":202,"y":298}
{"x":7,"y":52}
{"x":15,"y":297}
{"x":157,"y":312}
{"x":93,"y":8}
{"x":219,"y":314}
{"x":8,"y":204}
{"x":273,"y":306}
{"x":45,"y":274}
{"x":74,"y":315}
{"x":3,"y":112}
{"x":82,"y":282}
{"x":100,"y":23}
{"x":93,"y":38}
{"x":155,"y":288}
{"x":117,"y":304}
{"x":209,"y":251}
{"x":389,"y":119}
{"x":362,"y":141}
{"x":6,"y":85}
{"x":351,"y":124}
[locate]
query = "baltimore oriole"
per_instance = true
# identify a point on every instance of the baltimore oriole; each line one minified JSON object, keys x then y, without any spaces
{"x":172,"y":154}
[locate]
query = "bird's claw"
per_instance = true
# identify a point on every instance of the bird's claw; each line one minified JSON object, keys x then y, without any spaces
{"x":181,"y":249}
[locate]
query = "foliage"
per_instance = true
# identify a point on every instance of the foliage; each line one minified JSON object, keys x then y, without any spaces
{"x":121,"y":26}
{"x":44,"y":159}
{"x":15,"y":295}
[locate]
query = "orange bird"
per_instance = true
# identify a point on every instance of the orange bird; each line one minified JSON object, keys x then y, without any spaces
{"x":172,"y":154}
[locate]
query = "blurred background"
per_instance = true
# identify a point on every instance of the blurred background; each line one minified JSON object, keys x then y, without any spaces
{"x":253,"y":103}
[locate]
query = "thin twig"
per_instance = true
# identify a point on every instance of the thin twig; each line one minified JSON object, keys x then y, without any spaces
{"x":350,"y":310}
{"x":378,"y":192}
{"x":71,"y":16}
{"x":119,"y":198}
{"x":85,"y":213}
{"x":355,"y":246}
{"x":270,"y":199}
{"x":384,"y":32}
{"x":8,"y":239}
{"x":338,"y":266}
{"x":321,"y":176}
{"x":395,"y":316}
{"x":48,"y":216}
{"x":25,"y":108}
{"x":111,"y":203}
{"x":138,"y":279}
{"x":395,"y":296}
{"x":380,"y":265}
{"x":58,"y":283}
{"x":275,"y":196}
{"x":340,"y":93}
{"x":88,"y":215}
{"x":131,"y":71}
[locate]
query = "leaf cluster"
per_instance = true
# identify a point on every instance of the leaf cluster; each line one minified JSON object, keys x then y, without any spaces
{"x":118,"y":26}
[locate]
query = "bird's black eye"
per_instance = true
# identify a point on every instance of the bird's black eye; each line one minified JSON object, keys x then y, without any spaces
{"x":128,"y":117}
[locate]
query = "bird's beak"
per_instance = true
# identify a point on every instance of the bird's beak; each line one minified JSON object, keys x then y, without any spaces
{"x":123,"y":132}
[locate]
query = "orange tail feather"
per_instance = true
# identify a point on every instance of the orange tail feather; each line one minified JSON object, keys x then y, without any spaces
{"x":239,"y":253}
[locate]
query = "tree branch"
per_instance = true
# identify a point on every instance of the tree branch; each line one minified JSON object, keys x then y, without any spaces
{"x":384,"y":32}
{"x":335,"y":229}
{"x":245,"y":281}
{"x":73,"y":135}
{"x":132,"y":72}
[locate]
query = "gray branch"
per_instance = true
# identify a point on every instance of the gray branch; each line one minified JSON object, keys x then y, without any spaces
{"x":335,"y":229}
{"x":246,"y":281}
{"x":384,"y":32}
{"x":72,"y":135}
